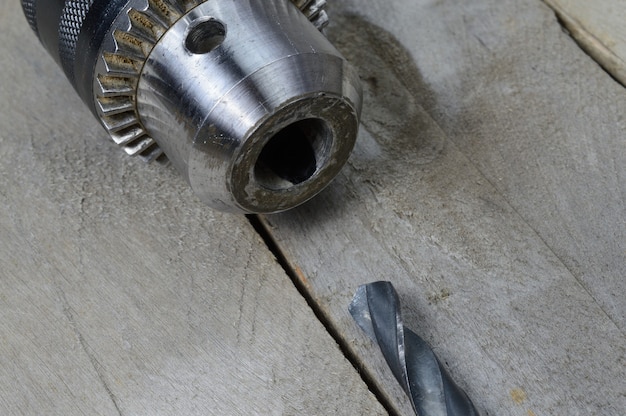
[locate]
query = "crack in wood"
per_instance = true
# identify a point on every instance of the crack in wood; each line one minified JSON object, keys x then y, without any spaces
{"x":589,"y":42}
{"x":67,"y":311}
{"x":261,"y":226}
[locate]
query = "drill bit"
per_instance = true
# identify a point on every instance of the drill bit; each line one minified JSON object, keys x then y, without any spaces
{"x":247,"y":98}
{"x":376,"y":309}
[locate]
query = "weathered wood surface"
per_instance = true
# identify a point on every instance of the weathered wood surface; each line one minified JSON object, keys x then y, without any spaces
{"x":120,"y":294}
{"x":599,"y":27}
{"x":489,"y":185}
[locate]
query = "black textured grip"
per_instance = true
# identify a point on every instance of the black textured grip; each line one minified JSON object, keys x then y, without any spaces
{"x":72,"y":32}
{"x":63,"y":21}
{"x":30,"y":11}
{"x":72,"y":19}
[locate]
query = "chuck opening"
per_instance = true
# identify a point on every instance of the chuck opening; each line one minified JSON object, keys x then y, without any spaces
{"x":294,"y":154}
{"x":204,"y":35}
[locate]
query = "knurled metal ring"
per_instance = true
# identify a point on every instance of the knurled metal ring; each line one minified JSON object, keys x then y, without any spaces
{"x":30,"y":11}
{"x":72,"y":17}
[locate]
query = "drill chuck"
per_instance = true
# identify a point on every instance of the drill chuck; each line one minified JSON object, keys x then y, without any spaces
{"x":247,"y":98}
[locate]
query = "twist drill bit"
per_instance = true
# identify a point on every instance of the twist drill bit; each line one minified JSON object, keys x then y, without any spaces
{"x":247,"y":98}
{"x":376,"y":309}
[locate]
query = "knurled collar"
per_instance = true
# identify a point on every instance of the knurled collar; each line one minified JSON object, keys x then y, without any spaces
{"x":134,"y":33}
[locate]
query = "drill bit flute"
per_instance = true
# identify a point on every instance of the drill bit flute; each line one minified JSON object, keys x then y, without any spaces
{"x":376,"y":309}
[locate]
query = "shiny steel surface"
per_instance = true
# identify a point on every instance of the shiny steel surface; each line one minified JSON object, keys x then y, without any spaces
{"x":376,"y":309}
{"x":247,"y":98}
{"x":213,"y":113}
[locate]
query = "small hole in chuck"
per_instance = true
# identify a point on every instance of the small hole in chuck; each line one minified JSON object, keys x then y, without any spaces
{"x":294,"y":154}
{"x":204,"y":35}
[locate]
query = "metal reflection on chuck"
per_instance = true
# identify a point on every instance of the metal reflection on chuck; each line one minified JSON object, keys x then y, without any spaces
{"x":247,"y":98}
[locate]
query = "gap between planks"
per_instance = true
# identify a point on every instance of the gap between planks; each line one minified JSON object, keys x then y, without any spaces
{"x":299,"y":281}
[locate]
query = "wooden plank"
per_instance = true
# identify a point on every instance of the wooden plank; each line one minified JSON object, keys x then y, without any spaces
{"x":489,"y":185}
{"x":598,"y":26}
{"x":121,"y":294}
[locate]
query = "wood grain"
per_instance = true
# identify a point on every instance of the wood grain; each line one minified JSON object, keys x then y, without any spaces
{"x":489,"y":185}
{"x":599,"y":28}
{"x":121,"y":294}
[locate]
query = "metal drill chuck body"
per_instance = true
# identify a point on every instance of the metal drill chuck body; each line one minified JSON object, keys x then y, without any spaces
{"x":247,"y":98}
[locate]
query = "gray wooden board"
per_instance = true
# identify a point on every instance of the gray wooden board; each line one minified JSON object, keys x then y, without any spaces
{"x":121,"y":294}
{"x":489,"y":185}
